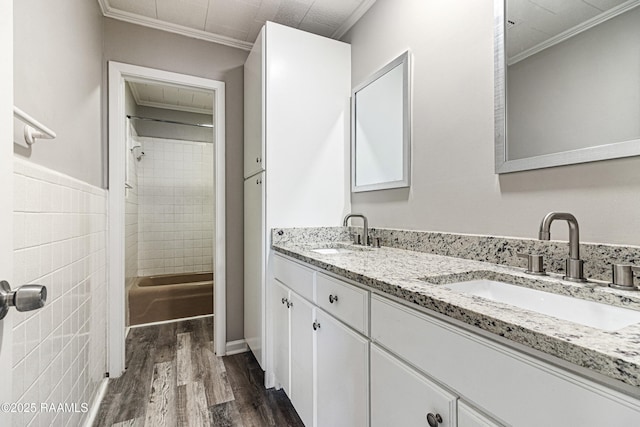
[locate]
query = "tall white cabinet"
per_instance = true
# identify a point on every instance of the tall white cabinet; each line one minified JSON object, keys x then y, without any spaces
{"x":296,"y":113}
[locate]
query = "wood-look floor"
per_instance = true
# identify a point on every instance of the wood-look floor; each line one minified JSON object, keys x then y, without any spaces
{"x":174,"y":379}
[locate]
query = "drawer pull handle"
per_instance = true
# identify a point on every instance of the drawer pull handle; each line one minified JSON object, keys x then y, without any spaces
{"x":284,"y":300}
{"x":333,"y":298}
{"x":316,"y":326}
{"x":289,"y":304}
{"x":434,"y":419}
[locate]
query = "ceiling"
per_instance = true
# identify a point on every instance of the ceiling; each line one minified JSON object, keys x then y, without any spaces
{"x":537,"y":24}
{"x":172,"y":97}
{"x":237,"y":22}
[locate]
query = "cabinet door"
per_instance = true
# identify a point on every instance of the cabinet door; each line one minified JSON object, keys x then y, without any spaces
{"x":280,"y":310}
{"x":418,"y":398}
{"x":469,"y":417}
{"x":342,"y":374}
{"x":302,"y":357}
{"x":254,"y":265}
{"x":254,"y":109}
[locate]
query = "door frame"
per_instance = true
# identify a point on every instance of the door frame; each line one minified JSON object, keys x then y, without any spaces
{"x":118,"y":73}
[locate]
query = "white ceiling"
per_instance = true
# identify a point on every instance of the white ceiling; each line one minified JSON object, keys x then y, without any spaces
{"x":172,"y":98}
{"x":238,"y":22}
{"x":536,"y":24}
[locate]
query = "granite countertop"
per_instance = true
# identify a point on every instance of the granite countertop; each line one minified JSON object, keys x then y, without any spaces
{"x":418,"y":278}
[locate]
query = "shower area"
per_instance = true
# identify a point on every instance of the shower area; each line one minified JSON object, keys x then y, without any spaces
{"x":169,"y":203}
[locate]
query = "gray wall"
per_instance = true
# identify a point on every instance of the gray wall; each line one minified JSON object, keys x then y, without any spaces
{"x":57,"y":80}
{"x":143,"y":46}
{"x":582,"y":92}
{"x":454,"y":187}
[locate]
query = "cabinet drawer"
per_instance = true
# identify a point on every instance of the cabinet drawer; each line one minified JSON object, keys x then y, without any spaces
{"x":296,"y":277}
{"x":469,"y":417}
{"x":346,"y":302}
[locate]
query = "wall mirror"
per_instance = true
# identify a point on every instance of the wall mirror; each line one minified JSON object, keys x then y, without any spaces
{"x":381,"y":129}
{"x":566,"y":82}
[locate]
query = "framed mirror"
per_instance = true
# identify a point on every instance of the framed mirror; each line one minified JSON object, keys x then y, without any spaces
{"x":381,"y":129}
{"x":566,"y":82}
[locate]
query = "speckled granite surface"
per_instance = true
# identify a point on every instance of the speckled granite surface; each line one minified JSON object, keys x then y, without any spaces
{"x":498,"y":250}
{"x":418,"y":277}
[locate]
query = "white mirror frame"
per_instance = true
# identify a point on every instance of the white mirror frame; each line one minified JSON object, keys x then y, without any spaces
{"x":403,"y":60}
{"x":502,"y":164}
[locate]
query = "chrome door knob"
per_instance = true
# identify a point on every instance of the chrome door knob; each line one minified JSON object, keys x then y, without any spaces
{"x":25,"y":298}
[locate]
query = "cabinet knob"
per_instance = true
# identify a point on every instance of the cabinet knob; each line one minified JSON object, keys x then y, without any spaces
{"x":257,"y":159}
{"x":316,"y":326}
{"x":333,"y":298}
{"x":434,"y":419}
{"x":289,"y":304}
{"x":284,"y":300}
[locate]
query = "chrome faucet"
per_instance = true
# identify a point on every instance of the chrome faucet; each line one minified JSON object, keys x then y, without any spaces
{"x":575,"y":266}
{"x":365,"y":232}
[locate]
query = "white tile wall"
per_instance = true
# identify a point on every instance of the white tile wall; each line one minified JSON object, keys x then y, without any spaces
{"x":59,"y":241}
{"x":175,"y":206}
{"x":131,"y":208}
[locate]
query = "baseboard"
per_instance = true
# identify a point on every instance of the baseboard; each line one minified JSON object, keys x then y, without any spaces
{"x":95,"y":405}
{"x":236,"y":347}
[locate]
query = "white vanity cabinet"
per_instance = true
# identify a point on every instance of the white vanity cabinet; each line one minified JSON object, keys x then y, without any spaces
{"x":511,"y":386}
{"x":302,"y":357}
{"x":342,"y":374}
{"x":401,"y":396}
{"x":280,"y":313}
{"x":292,"y":341}
{"x":469,"y":417}
{"x":326,"y":370}
{"x":361,"y":359}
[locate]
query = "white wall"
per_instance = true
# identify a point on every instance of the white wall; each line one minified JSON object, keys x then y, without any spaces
{"x":143,"y":46}
{"x":454,"y":187}
{"x":578,"y":93}
{"x":58,"y":78}
{"x":176,"y":207}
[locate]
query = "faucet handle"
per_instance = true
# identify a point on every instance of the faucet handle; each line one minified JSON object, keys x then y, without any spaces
{"x":622,"y":276}
{"x":535,"y":264}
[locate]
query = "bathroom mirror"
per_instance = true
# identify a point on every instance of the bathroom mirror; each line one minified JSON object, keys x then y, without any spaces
{"x":380,"y":129}
{"x":566,"y":82}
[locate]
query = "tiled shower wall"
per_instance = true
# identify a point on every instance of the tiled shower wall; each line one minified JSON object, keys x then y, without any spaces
{"x":175,"y":205}
{"x":59,"y":241}
{"x":131,"y":207}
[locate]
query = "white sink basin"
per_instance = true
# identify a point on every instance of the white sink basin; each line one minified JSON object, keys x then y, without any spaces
{"x":588,"y":313}
{"x":331,"y":251}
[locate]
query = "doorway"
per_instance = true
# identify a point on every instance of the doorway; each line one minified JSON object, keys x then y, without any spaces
{"x":166,"y":145}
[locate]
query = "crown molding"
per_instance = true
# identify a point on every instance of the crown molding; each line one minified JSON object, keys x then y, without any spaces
{"x":584,"y":26}
{"x":351,"y":20}
{"x":145,"y":21}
